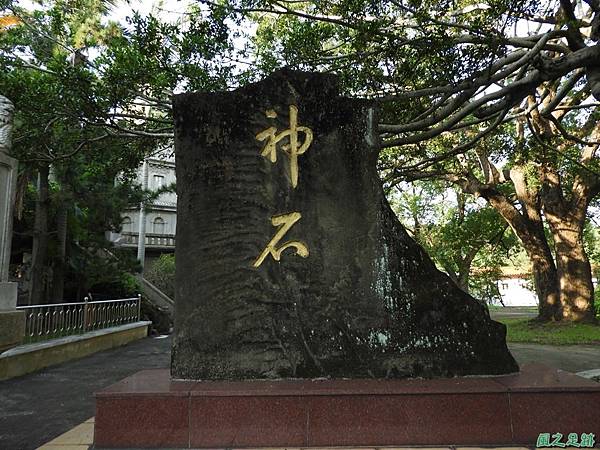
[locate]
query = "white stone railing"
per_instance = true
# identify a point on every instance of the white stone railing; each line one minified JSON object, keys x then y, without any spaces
{"x":44,"y":322}
{"x":152,"y":239}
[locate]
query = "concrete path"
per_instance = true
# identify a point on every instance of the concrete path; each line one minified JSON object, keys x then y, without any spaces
{"x":36,"y":408}
{"x":572,"y":358}
{"x":514,"y":312}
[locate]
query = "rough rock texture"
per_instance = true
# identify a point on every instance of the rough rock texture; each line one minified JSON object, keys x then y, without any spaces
{"x":366,"y":302}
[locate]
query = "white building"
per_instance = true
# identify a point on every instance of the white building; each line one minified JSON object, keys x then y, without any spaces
{"x":160,"y":217}
{"x":516,"y":289}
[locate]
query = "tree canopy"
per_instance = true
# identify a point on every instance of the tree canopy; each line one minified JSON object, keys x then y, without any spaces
{"x":498,"y":98}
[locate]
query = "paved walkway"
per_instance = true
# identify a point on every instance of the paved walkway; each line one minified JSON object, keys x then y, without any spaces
{"x":36,"y":408}
{"x":572,"y":358}
{"x":514,"y":312}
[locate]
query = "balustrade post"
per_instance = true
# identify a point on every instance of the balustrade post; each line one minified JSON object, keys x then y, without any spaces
{"x":85,"y":314}
{"x":139,"y":307}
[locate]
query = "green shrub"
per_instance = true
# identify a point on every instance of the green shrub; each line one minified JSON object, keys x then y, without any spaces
{"x":123,"y":286}
{"x":162,"y":274}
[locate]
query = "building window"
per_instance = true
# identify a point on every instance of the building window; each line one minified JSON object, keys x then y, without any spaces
{"x":158,"y":226}
{"x":126,"y":225}
{"x":159,"y":181}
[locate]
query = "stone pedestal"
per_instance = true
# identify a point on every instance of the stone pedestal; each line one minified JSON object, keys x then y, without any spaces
{"x":149,"y":410}
{"x":12,"y":322}
{"x":12,"y":329}
{"x":8,"y":296}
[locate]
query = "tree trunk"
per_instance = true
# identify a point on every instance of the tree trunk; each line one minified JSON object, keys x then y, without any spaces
{"x":58,"y":279}
{"x":530,"y":231}
{"x":40,"y":240}
{"x":566,"y":215}
{"x":464,"y":268}
{"x":545,"y":280}
{"x":451,"y":273}
{"x":463,"y":281}
{"x":574,"y":272}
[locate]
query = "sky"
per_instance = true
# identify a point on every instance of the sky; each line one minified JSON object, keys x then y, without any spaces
{"x":169,"y":10}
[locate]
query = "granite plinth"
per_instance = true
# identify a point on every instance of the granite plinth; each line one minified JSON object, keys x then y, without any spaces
{"x":148,"y":410}
{"x":8,"y":296}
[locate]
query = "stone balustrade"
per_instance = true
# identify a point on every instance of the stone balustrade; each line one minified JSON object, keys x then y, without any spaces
{"x":152,"y":240}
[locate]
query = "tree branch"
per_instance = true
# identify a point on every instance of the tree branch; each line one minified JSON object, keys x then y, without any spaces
{"x":511,"y":94}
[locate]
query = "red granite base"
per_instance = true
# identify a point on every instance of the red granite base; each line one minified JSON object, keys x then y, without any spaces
{"x":148,"y":410}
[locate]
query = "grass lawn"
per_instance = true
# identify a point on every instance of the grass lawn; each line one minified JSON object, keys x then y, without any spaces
{"x":523,"y":330}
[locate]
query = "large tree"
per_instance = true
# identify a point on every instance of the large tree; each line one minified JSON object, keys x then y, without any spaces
{"x":469,"y":242}
{"x":92,"y":99}
{"x":451,"y":78}
{"x":549,"y":176}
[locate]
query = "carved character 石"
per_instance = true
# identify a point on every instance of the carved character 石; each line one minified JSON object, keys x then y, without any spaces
{"x":284,"y":222}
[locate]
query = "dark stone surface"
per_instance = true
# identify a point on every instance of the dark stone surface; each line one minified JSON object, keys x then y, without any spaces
{"x":366,"y":302}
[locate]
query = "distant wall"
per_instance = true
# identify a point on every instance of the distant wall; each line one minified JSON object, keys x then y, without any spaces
{"x":514,"y":292}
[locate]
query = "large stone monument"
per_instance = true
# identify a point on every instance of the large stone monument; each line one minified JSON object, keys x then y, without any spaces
{"x":290,"y":261}
{"x":299,"y":293}
{"x":12,"y":322}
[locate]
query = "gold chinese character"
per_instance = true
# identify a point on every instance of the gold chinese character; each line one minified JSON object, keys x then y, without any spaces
{"x":285,"y":222}
{"x":292,"y":149}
